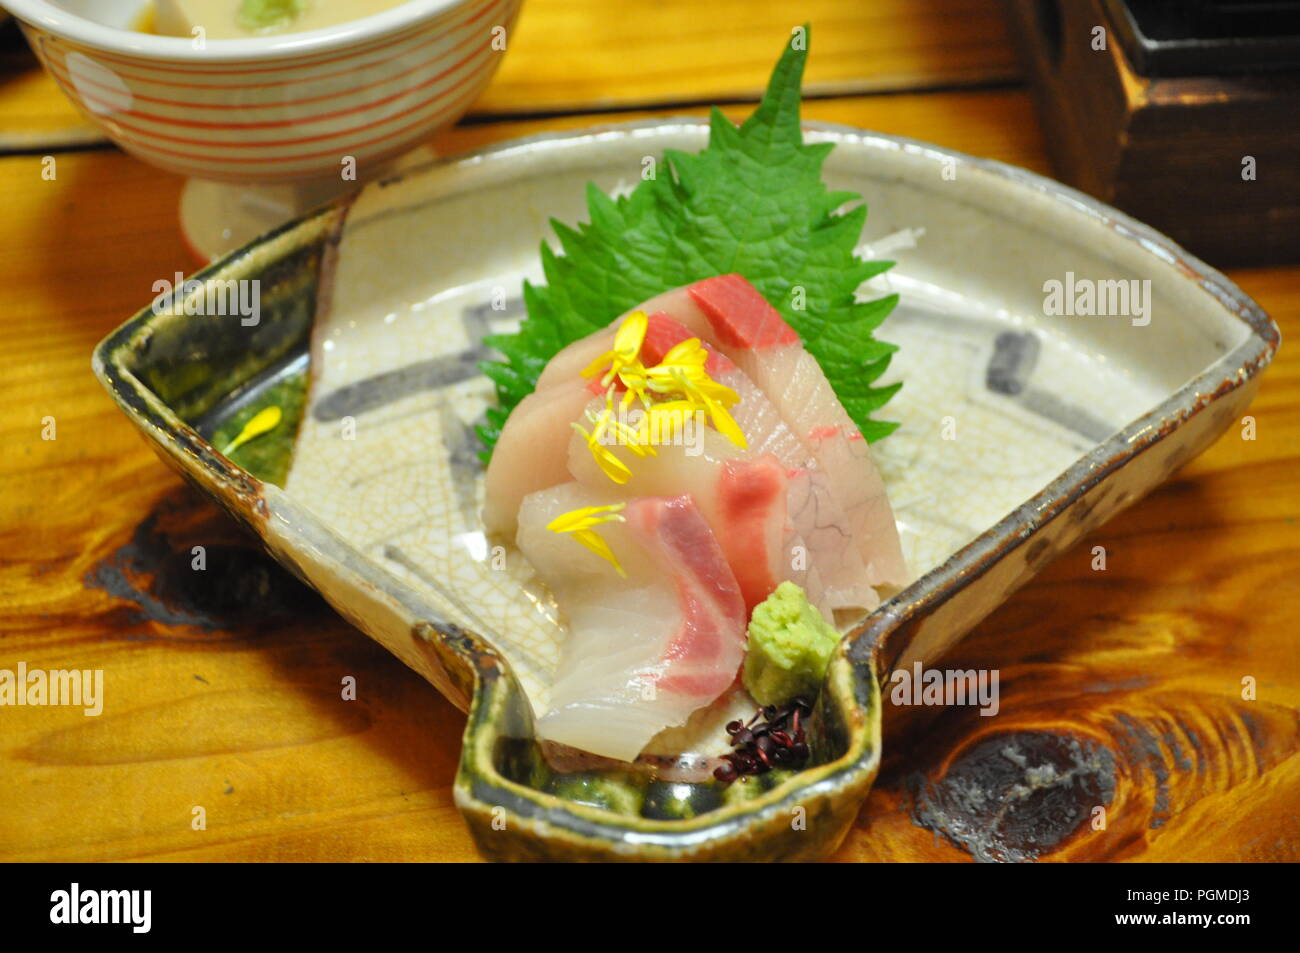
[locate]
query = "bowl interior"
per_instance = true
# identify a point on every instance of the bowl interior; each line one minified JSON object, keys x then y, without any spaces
{"x":112,"y":25}
{"x":122,"y":14}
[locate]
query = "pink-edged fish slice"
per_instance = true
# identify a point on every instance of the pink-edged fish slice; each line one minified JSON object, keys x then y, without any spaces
{"x":840,"y":578}
{"x":571,"y":361}
{"x":743,"y":498}
{"x":764,"y":429}
{"x":745,"y":326}
{"x":645,"y":651}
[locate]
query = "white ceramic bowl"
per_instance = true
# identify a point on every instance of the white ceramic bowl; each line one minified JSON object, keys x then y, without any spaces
{"x":286,"y":108}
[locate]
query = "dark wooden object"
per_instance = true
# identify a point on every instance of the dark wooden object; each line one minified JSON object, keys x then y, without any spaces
{"x":1213,"y":161}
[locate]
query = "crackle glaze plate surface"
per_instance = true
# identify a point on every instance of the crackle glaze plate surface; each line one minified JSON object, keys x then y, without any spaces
{"x":1019,"y":431}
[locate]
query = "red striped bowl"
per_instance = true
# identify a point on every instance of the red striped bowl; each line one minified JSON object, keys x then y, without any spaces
{"x":292,"y":107}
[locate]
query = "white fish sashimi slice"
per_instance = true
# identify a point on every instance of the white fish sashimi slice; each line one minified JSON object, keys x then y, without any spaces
{"x":844,"y":452}
{"x":643,"y":652}
{"x":842,"y":455}
{"x":531,"y":452}
{"x":836,"y":574}
{"x":575,"y":358}
{"x":840,"y":578}
{"x":741,"y":323}
{"x":742,"y":498}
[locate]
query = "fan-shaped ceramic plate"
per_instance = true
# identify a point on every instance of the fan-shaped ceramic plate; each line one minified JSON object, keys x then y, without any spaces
{"x":1020,"y":431}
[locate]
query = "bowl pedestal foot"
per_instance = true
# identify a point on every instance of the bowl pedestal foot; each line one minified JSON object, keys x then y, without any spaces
{"x":218,"y":217}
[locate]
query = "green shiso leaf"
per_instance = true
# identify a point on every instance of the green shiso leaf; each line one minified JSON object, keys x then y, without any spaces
{"x":752,"y":202}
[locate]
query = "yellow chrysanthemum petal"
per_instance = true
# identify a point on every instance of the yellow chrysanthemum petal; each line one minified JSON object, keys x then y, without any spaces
{"x":598,"y":365}
{"x":631,"y":335}
{"x":726,"y":425}
{"x":690,"y":351}
{"x":632,"y":438}
{"x":633,"y":377}
{"x":586,"y":517}
{"x":611,"y":465}
{"x":662,"y":420}
{"x":606,"y":459}
{"x":578,"y":523}
{"x":625,"y":354}
{"x":715,"y":391}
{"x":592,"y":540}
{"x":263,"y":422}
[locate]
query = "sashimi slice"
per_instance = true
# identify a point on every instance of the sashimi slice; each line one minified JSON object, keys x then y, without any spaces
{"x":838,"y":509}
{"x":835,"y":570}
{"x":816,"y":515}
{"x":642,"y":652}
{"x":745,"y":327}
{"x":664,"y":332}
{"x":743,"y":499}
{"x":574,"y":358}
{"x":571,"y":361}
{"x":531,"y":452}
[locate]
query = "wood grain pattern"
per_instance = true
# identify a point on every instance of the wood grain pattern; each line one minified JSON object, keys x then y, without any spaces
{"x":650,"y":53}
{"x":34,"y":114}
{"x":242,"y":715}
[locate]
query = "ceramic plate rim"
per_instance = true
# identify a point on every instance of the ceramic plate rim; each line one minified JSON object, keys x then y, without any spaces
{"x":1231,"y":370}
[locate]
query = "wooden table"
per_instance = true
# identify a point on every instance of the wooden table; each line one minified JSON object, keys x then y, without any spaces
{"x":212,"y":708}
